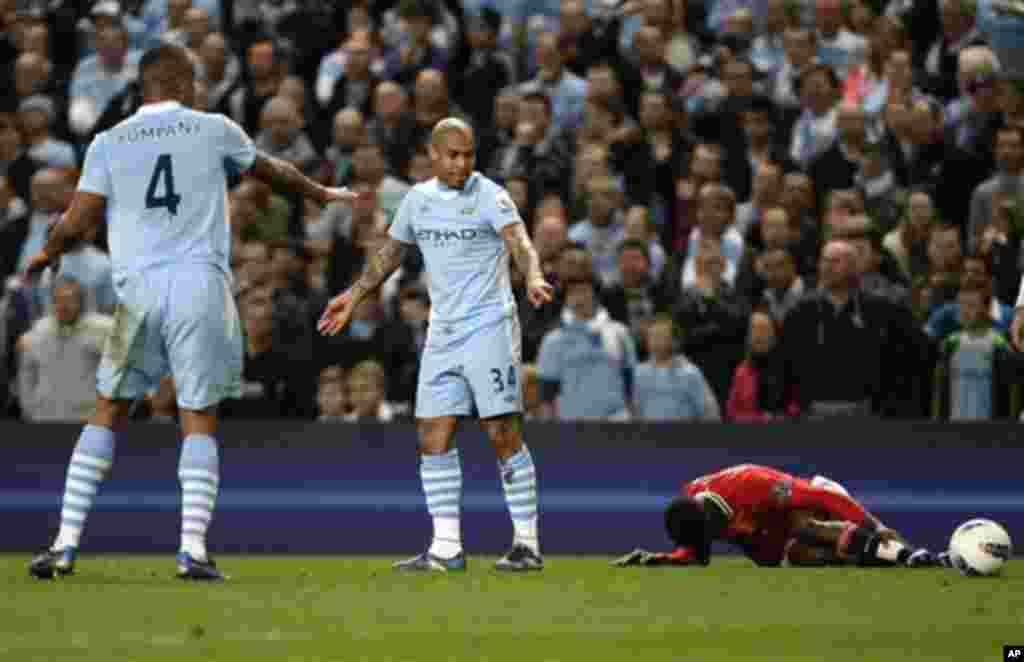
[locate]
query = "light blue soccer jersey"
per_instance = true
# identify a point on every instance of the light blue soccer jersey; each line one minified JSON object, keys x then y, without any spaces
{"x":972,"y":369}
{"x":164,"y":174}
{"x":593,"y":369}
{"x":466,"y":262}
{"x":675,"y":392}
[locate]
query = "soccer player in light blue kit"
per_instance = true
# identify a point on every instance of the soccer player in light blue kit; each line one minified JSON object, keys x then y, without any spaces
{"x":159,"y":178}
{"x":466,"y":227}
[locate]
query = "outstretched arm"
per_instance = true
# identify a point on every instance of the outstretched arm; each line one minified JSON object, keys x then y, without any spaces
{"x":527,"y":261}
{"x":379,"y":266}
{"x":283,"y":175}
{"x":524,"y":255}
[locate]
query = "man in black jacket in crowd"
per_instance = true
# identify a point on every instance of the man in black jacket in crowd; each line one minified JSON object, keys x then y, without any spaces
{"x":846,"y":350}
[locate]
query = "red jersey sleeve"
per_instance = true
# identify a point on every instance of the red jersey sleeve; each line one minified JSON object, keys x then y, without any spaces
{"x":750,"y":490}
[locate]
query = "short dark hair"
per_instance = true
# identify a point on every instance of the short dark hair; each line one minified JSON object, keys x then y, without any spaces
{"x":166,"y":67}
{"x":688,"y":526}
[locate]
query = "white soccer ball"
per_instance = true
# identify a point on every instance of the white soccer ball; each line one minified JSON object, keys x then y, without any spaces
{"x":980,"y":547}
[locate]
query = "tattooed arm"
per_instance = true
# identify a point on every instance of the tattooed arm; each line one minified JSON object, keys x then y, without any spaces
{"x":524,"y":255}
{"x":282,"y":175}
{"x":538,"y":291}
{"x":379,"y":266}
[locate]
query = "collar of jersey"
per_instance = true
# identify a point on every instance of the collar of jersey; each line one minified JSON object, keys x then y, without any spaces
{"x":158,"y":107}
{"x":466,"y":188}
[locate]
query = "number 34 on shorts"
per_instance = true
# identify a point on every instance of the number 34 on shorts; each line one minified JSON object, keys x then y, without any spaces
{"x":504,"y":379}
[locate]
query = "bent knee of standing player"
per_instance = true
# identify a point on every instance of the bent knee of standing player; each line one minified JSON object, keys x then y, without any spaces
{"x":437,"y":434}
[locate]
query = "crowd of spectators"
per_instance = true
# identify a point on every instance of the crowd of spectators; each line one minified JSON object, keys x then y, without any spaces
{"x":752,"y":210}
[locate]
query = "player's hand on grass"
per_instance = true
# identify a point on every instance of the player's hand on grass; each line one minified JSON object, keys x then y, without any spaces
{"x":636,"y":557}
{"x":337,"y":314}
{"x":539,"y":291}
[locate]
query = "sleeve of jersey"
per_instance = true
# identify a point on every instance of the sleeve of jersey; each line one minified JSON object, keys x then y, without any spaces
{"x":239,"y":150}
{"x":95,"y":173}
{"x":401,"y":227}
{"x":805,"y":496}
{"x":501,"y":210}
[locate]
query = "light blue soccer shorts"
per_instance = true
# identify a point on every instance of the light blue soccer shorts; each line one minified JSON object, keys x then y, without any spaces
{"x":471,"y":374}
{"x":180,"y":320}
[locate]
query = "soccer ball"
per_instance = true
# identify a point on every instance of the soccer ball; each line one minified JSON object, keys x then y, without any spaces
{"x":980,"y":547}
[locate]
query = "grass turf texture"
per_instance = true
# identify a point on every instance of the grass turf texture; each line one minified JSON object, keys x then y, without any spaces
{"x":347,"y":608}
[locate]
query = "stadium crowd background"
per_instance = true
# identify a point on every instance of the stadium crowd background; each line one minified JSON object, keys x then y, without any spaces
{"x":752,"y":209}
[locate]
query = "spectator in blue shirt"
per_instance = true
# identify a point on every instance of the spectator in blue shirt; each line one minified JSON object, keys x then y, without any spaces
{"x":101,"y":77}
{"x":766,"y":51}
{"x":566,"y":90}
{"x":1003,"y":24}
{"x":585,"y":366}
{"x":669,"y":386}
{"x":141,"y":35}
{"x":976,"y":367}
{"x":161,"y":16}
{"x":837,"y":47}
{"x":91,"y":269}
{"x":976,"y":274}
{"x":602,"y":232}
{"x":37,"y":115}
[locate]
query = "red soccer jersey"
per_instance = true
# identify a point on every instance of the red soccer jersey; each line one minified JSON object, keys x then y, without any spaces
{"x":757,"y":500}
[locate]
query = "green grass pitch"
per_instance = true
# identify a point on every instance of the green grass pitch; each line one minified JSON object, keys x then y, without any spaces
{"x":351,"y":609}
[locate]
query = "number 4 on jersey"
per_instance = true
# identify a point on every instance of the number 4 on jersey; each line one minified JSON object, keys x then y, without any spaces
{"x":163,"y":175}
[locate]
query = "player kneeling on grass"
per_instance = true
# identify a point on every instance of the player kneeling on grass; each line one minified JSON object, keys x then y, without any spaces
{"x":774,"y":518}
